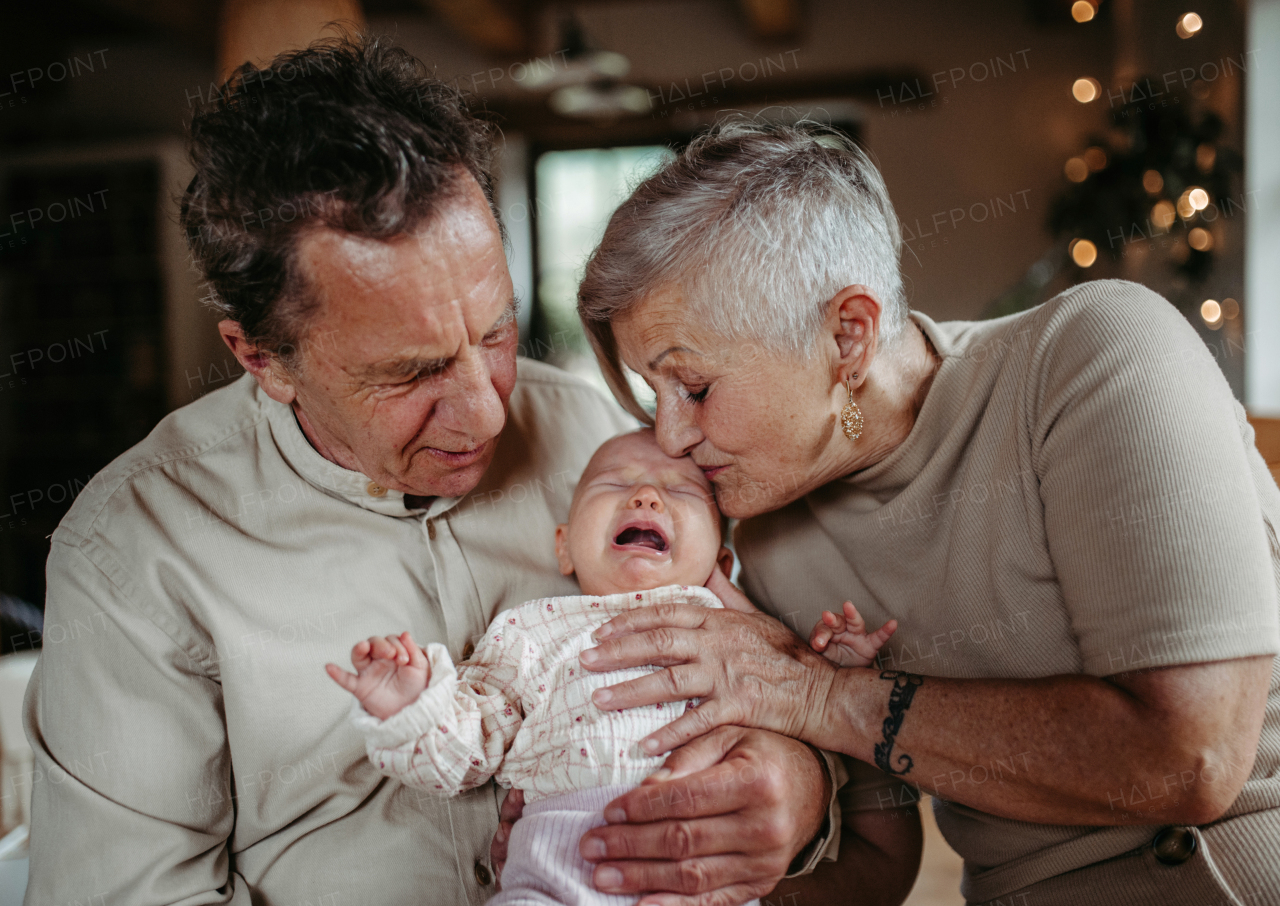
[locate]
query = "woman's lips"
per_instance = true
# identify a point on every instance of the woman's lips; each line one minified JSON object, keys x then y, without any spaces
{"x":712,"y":471}
{"x":457,"y":459}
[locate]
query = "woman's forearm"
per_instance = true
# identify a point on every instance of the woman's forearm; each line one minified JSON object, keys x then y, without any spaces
{"x":1168,"y":745}
{"x":878,"y":861}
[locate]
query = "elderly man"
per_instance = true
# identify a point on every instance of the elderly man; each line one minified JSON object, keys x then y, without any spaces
{"x":387,"y":463}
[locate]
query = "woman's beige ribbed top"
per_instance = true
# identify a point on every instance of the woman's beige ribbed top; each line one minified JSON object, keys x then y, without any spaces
{"x":1080,"y":494}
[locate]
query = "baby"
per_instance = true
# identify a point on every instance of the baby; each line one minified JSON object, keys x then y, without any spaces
{"x":643,"y":529}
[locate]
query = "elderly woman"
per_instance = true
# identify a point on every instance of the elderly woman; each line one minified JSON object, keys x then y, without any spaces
{"x":1063,"y":509}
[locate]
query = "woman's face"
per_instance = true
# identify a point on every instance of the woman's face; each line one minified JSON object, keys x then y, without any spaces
{"x":759,"y":424}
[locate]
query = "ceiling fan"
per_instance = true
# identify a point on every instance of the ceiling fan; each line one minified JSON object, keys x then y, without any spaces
{"x":589,"y":84}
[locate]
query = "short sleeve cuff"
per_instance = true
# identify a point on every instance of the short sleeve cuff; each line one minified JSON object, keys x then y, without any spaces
{"x":826,"y":845}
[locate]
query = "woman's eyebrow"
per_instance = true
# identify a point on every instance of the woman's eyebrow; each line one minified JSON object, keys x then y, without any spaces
{"x":663,"y":355}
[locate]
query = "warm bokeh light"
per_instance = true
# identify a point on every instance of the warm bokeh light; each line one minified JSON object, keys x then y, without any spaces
{"x":1186,"y":210}
{"x":1189,"y":25}
{"x":1086,"y":90}
{"x":1162,"y":215}
{"x":1082,"y":11}
{"x":1152,"y":181}
{"x":1198,"y":197}
{"x":1096,"y":158}
{"x":1206,"y":154}
{"x":1083,"y":252}
{"x":1211,"y":311}
{"x":1230,"y":309}
{"x":1076,"y":169}
{"x":1200,"y":239}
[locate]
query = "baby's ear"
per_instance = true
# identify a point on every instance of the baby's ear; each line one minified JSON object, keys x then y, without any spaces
{"x":562,"y":550}
{"x":724,"y":562}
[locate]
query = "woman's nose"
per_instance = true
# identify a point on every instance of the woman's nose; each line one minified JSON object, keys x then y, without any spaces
{"x":676,"y":431}
{"x":647,"y":498}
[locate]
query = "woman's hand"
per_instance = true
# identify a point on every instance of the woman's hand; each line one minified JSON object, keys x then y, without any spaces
{"x":719,"y":823}
{"x":510,"y":812}
{"x":747,"y":669}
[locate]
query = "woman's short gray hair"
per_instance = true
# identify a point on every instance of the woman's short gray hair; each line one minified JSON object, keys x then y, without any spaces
{"x":761,"y":225}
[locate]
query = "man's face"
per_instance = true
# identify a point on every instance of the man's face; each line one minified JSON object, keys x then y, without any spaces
{"x":409,"y":362}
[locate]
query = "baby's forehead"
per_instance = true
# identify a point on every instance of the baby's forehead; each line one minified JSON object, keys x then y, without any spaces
{"x":639,"y":451}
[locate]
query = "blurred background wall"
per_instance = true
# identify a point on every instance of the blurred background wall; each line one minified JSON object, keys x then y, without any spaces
{"x":1028,"y":145}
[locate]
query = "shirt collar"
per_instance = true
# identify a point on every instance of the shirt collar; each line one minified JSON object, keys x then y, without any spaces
{"x":333,"y":479}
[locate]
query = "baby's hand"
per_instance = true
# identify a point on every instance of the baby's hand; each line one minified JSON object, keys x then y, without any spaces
{"x":843,"y":639}
{"x":390,"y":673}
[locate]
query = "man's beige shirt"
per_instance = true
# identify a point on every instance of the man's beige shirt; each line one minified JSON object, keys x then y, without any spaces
{"x":189,"y":746}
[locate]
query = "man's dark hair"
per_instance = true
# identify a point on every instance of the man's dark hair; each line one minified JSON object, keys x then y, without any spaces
{"x":351,"y":134}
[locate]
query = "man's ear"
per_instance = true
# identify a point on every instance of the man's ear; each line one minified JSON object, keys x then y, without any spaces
{"x":724,"y":562}
{"x":267,"y":369}
{"x":562,"y":550}
{"x":853,"y":318}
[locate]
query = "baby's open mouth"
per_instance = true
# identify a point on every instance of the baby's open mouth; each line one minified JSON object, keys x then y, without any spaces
{"x":642,"y":537}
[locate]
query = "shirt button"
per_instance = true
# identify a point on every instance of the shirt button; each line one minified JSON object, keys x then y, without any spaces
{"x":376,"y":490}
{"x":1174,"y":845}
{"x":483,"y":875}
{"x":431,"y":530}
{"x":468,"y":650}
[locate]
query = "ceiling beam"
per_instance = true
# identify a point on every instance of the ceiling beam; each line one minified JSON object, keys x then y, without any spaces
{"x":256,"y":31}
{"x":192,"y":22}
{"x":772,"y":19}
{"x":486,"y":24}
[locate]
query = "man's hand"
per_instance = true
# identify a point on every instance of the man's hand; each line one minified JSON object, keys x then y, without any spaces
{"x":391,"y":672}
{"x":842,"y":638}
{"x":718,"y":824}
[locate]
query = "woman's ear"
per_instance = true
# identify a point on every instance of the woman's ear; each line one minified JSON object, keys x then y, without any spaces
{"x":853,"y":318}
{"x":267,"y":369}
{"x":562,"y":550}
{"x":724,"y":562}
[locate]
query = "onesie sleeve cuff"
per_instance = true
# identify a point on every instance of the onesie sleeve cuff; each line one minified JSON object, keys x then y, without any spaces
{"x":421,"y":716}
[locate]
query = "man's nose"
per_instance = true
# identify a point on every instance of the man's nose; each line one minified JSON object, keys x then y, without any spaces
{"x":473,"y":406}
{"x":647,"y":498}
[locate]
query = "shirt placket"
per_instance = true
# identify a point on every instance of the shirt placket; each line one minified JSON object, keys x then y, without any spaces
{"x":464,"y":620}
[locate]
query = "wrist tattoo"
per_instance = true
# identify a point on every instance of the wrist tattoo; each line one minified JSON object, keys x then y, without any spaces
{"x":904,"y":689}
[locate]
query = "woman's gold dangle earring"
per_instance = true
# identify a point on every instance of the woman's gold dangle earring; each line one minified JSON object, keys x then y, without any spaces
{"x":851,"y":415}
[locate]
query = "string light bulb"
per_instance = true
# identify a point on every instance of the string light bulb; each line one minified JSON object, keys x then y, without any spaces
{"x":1083,"y":252}
{"x":1076,"y":169}
{"x":1152,"y":181}
{"x":1083,"y":11}
{"x":1206,"y":154}
{"x":1200,"y":239}
{"x":1189,"y":25}
{"x":1086,"y":89}
{"x":1211,"y":312}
